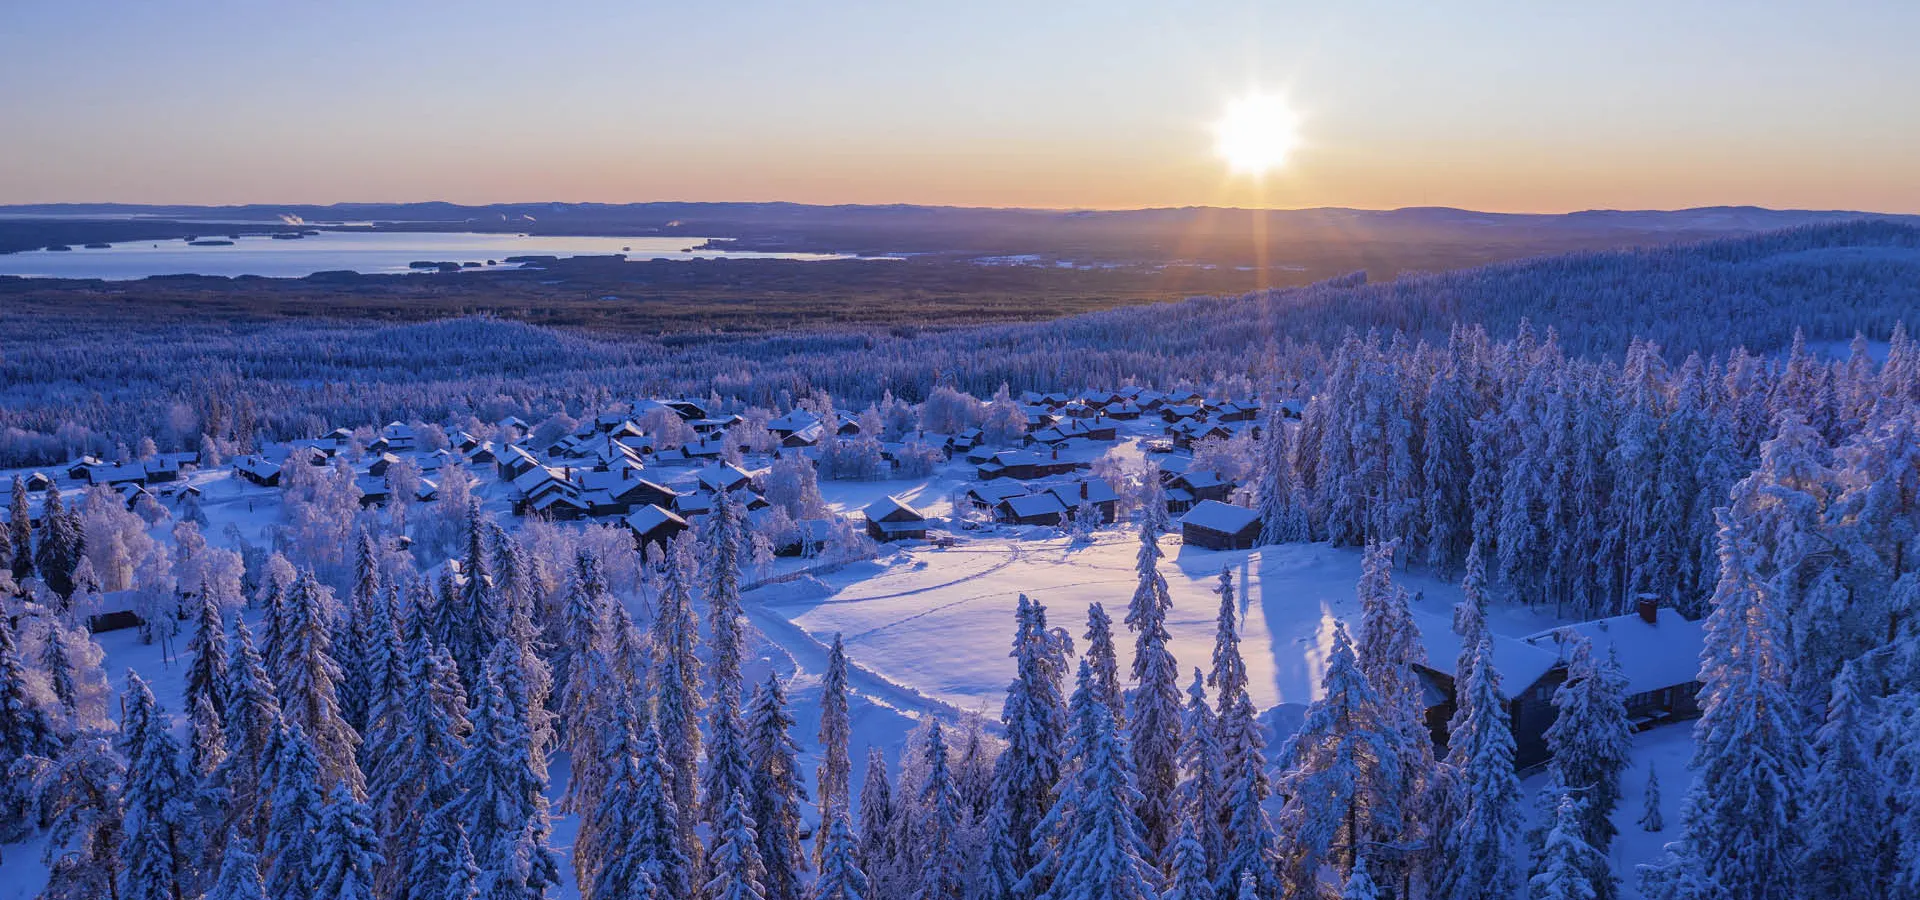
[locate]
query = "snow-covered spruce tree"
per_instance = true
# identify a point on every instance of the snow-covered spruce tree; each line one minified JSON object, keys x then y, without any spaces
{"x":1154,"y":704}
{"x":877,"y":851}
{"x":1229,"y":675}
{"x":1650,"y":818}
{"x":1846,"y":853}
{"x":938,"y":841}
{"x":1028,"y":772}
{"x":504,"y":802}
{"x":477,"y":625}
{"x":1591,"y":742}
{"x":583,"y":621}
{"x":1388,"y":649}
{"x":207,"y":673}
{"x":308,"y":678}
{"x":1566,"y":857}
{"x":734,"y":860}
{"x":676,"y":682}
{"x":81,"y":803}
{"x":1249,"y":835}
{"x":515,"y":590}
{"x":413,"y":774}
{"x":158,"y":849}
{"x":725,"y":541}
{"x":1741,"y":817}
{"x":727,"y":768}
{"x":20,"y":530}
{"x":664,"y":848}
{"x":387,"y":668}
{"x":606,"y":861}
{"x":239,"y":874}
{"x":1203,"y":791}
{"x":1485,"y":841}
{"x":1101,"y":849}
{"x":345,"y":853}
{"x":355,"y":632}
{"x":59,"y":545}
{"x":1189,"y":863}
{"x":833,"y":779}
{"x":1283,"y":517}
{"x":1339,"y":775}
{"x":25,"y":731}
{"x":294,"y":814}
{"x":206,"y":752}
{"x":841,"y":877}
{"x":777,"y":793}
{"x":728,"y":772}
{"x":1104,"y":659}
{"x":253,"y":713}
{"x":441,"y":864}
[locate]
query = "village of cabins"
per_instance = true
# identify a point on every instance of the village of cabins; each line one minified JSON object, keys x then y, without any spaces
{"x":612,"y":470}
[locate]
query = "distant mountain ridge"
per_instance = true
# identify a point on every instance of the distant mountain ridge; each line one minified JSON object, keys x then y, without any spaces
{"x":1385,"y":242}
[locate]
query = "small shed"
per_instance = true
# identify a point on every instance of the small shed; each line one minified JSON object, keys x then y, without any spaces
{"x":1220,"y":526}
{"x":892,"y":519}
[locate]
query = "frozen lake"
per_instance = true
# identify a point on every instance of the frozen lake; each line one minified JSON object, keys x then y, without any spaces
{"x":365,"y":252}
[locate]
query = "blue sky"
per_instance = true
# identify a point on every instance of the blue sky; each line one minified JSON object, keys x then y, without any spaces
{"x":1506,"y":106}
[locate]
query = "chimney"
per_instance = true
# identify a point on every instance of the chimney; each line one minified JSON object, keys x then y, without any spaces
{"x":1649,"y":608}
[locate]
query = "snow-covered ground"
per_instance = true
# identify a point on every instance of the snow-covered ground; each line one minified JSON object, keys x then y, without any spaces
{"x":928,"y":629}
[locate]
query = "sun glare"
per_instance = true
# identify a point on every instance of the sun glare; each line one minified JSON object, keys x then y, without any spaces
{"x":1256,"y":134}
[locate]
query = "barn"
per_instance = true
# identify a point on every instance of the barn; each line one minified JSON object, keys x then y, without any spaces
{"x":891,"y":519}
{"x":1220,"y":526}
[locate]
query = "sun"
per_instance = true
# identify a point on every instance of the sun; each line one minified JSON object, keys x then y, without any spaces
{"x":1256,"y":134}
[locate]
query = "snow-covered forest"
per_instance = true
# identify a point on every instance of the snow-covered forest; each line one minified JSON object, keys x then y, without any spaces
{"x":450,"y":694}
{"x":246,"y":380}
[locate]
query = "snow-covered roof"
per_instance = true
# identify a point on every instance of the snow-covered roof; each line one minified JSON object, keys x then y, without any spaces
{"x":890,"y":505}
{"x":1222,"y":517}
{"x":1653,"y":655}
{"x":1519,"y":663}
{"x":649,"y":517}
{"x":1035,"y":505}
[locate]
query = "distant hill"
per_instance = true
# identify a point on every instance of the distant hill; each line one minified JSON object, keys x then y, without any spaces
{"x":1383,"y":242}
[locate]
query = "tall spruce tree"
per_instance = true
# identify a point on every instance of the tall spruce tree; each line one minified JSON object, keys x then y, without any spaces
{"x":1741,"y":817}
{"x":1101,"y":849}
{"x":1591,"y":741}
{"x":1846,"y":853}
{"x":941,"y":876}
{"x":734,"y":860}
{"x":1154,"y":713}
{"x":309,"y":677}
{"x":841,"y":877}
{"x":207,"y":673}
{"x":833,"y":780}
{"x":1339,"y":775}
{"x":1203,"y":791}
{"x":1485,"y":839}
{"x":253,"y":714}
{"x":777,"y":793}
{"x":877,"y":850}
{"x":345,"y":853}
{"x":1028,"y":772}
{"x":159,"y":838}
{"x":296,"y":809}
{"x":676,"y":684}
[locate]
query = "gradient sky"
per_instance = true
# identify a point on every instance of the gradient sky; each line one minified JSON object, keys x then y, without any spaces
{"x":1516,"y":106}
